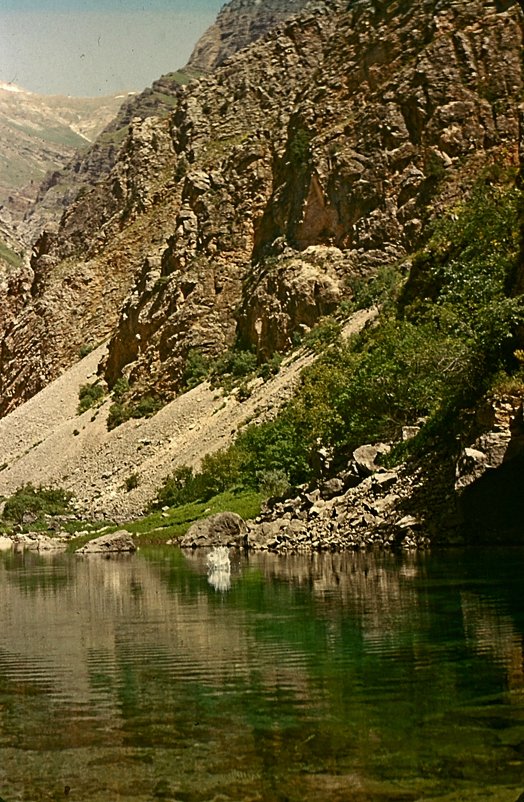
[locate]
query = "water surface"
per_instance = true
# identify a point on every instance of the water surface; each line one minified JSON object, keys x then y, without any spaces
{"x":332,"y":677}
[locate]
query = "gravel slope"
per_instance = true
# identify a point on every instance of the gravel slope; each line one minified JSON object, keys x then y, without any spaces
{"x":46,"y":442}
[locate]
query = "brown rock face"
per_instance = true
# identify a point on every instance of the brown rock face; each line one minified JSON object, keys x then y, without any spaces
{"x":319,"y":152}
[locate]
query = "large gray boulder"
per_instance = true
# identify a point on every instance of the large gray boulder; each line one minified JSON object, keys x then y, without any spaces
{"x":222,"y":529}
{"x":116,"y":542}
{"x":365,"y":457}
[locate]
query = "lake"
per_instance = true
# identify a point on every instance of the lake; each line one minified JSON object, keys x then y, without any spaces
{"x":319,"y":678}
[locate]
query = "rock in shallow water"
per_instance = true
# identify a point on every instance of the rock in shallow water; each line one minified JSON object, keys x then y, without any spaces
{"x":116,"y":542}
{"x":222,"y":529}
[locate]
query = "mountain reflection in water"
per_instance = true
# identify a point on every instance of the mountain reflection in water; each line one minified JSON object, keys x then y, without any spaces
{"x":335,"y":677}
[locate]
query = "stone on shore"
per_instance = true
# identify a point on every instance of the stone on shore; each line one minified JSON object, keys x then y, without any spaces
{"x":114,"y":543}
{"x":222,"y":529}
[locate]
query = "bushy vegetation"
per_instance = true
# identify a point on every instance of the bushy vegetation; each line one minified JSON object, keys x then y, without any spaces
{"x":88,"y":396}
{"x":120,"y":412}
{"x":236,"y":366}
{"x":35,"y":502}
{"x":436,"y":349}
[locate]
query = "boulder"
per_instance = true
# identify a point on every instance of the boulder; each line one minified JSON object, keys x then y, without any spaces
{"x":5,"y":543}
{"x":222,"y":529}
{"x":116,"y":542}
{"x":365,"y":457}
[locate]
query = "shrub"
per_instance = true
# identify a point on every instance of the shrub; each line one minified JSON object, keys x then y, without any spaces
{"x":299,"y":148}
{"x":326,"y":332}
{"x":121,"y":412}
{"x":118,"y":414}
{"x":271,"y":367}
{"x":131,"y":482}
{"x":120,"y":388}
{"x":196,"y":369}
{"x":176,"y":489}
{"x":380,"y":289}
{"x":85,"y":349}
{"x":233,"y":364}
{"x":274,"y":482}
{"x":88,"y":396}
{"x":35,"y":502}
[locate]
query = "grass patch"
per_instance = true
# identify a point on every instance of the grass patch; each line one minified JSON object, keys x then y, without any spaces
{"x":10,"y":256}
{"x":156,"y":528}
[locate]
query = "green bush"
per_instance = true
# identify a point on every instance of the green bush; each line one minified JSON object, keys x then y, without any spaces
{"x":299,"y":148}
{"x":233,"y":364}
{"x":88,"y":396}
{"x":196,"y":369}
{"x":85,"y":349}
{"x":177,"y":489}
{"x":131,"y":482}
{"x":219,"y":471}
{"x":326,"y":332}
{"x":35,"y":502}
{"x":120,"y":412}
{"x":273,"y":483}
{"x":381,"y":289}
{"x":120,"y":388}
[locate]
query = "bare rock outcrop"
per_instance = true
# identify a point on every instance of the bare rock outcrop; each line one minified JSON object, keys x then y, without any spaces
{"x":239,"y":23}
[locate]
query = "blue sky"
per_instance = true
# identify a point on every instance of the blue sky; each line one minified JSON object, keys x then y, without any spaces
{"x":98,"y":47}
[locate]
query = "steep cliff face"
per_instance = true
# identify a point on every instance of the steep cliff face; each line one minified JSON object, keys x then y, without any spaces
{"x":367,"y":122}
{"x":316,"y":154}
{"x":238,"y":24}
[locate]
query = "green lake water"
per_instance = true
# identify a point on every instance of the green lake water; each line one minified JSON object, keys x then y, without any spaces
{"x":298,"y":679}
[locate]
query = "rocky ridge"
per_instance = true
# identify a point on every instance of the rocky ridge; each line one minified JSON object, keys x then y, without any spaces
{"x":239,"y":23}
{"x":346,"y":128}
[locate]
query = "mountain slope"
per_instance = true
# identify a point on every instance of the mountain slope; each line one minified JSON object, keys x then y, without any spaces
{"x":346,"y":129}
{"x":39,"y":134}
{"x":239,"y":23}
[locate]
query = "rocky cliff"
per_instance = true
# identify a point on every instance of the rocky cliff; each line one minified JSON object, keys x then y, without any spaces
{"x":316,"y":154}
{"x":238,"y":24}
{"x":310,"y":159}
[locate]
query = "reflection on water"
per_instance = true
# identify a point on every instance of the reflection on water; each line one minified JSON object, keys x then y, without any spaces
{"x":219,"y":568}
{"x":330,"y":677}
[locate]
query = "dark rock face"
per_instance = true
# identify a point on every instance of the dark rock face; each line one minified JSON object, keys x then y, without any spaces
{"x":344,"y":131}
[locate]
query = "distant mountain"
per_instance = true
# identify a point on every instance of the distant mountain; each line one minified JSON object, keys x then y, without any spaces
{"x":38,"y":134}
